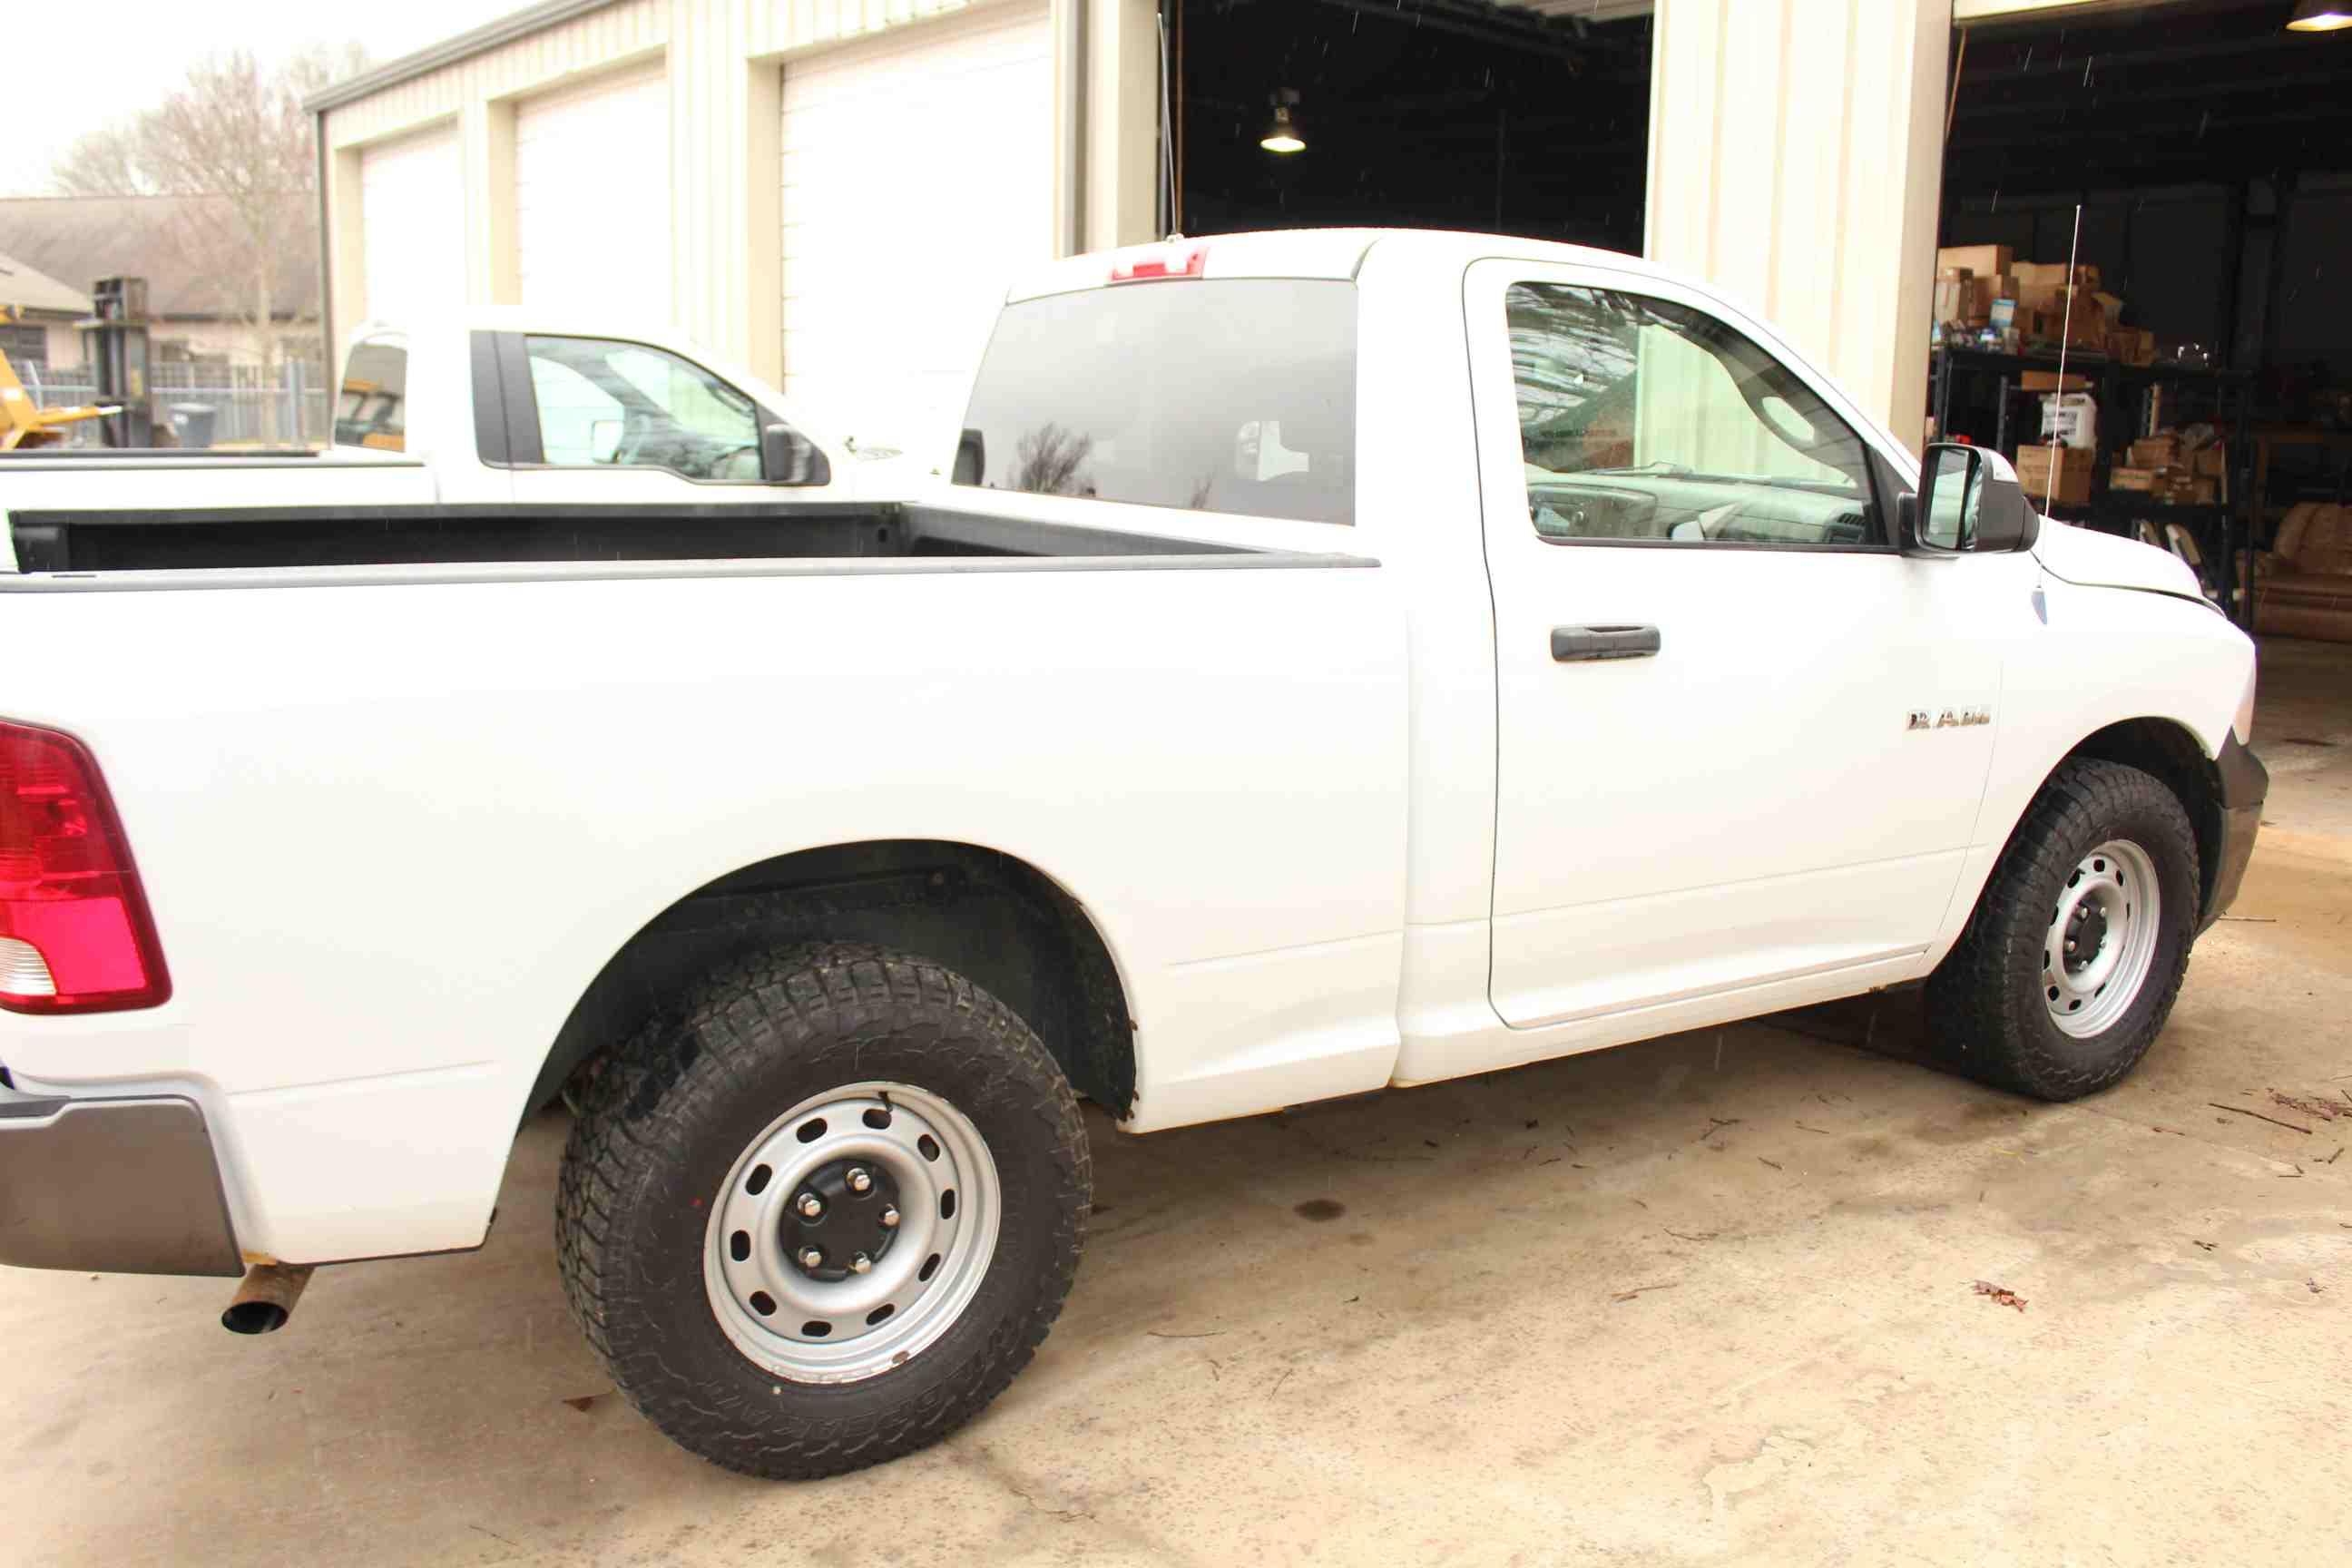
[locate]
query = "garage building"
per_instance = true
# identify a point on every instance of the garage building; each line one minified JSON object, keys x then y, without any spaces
{"x":833,"y":192}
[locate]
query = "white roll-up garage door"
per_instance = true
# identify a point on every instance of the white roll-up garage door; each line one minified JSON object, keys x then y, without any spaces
{"x":413,"y":228}
{"x":918,"y":178}
{"x":593,"y":196}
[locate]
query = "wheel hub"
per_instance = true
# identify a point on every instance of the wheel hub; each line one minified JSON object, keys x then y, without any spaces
{"x":2100,"y":945}
{"x":849,"y":1224}
{"x":852,"y":1232}
{"x":2087,"y":935}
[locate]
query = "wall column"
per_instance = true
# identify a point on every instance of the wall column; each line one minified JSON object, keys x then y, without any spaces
{"x":485,"y":146}
{"x":726,"y":115}
{"x":1122,"y":123}
{"x":1796,"y":162}
{"x":345,"y":305}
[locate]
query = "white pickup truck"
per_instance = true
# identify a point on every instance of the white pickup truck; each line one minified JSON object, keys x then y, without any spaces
{"x":468,"y":429}
{"x":1341,"y":660}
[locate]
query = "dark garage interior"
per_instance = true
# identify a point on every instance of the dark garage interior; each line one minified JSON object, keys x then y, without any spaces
{"x":1430,"y":114}
{"x":2209,"y":148}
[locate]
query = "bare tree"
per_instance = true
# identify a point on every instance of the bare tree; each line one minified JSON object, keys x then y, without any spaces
{"x":236,"y":136}
{"x":1051,"y":461}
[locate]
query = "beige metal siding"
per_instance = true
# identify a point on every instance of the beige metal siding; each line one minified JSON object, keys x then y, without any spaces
{"x":721,"y":60}
{"x":596,"y":41}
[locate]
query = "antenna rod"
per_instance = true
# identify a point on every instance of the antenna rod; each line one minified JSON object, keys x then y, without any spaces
{"x":2065,"y":335}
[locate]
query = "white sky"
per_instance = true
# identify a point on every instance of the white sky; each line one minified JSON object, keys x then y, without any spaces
{"x":78,"y":68}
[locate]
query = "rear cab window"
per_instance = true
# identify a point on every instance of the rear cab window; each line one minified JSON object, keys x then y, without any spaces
{"x":1234,"y":395}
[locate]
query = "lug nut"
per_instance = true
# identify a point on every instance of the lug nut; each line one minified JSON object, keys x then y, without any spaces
{"x":859,"y":1181}
{"x":813,"y":1258}
{"x":889,"y":1219}
{"x":860,"y":1264}
{"x":811,"y":1206}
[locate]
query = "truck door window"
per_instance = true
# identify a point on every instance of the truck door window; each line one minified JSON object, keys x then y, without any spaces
{"x":371,"y":409}
{"x":1645,"y":420}
{"x":605,"y":402}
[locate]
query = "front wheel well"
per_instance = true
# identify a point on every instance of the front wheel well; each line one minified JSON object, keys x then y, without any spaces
{"x":2169,"y":751}
{"x":996,"y":920}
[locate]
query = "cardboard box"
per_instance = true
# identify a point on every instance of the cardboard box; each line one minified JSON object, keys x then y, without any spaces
{"x":2156,"y":451}
{"x":2063,"y":477}
{"x":2033,"y":295}
{"x":2131,"y":345}
{"x":2049,"y":381}
{"x":2121,"y":478}
{"x":1977,"y":260}
{"x":1966,"y":299}
{"x":2085,"y":319}
{"x":2210,"y":462}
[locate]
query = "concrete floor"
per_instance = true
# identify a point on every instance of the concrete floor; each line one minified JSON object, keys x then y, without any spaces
{"x":1707,"y":1298}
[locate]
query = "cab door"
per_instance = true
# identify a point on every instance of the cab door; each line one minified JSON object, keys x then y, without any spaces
{"x":1712,"y":780}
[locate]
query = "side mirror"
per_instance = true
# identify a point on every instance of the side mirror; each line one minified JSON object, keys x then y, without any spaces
{"x":971,"y":459}
{"x":789,"y":458}
{"x":1970,"y":502}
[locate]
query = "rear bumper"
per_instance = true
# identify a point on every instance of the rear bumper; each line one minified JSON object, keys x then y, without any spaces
{"x":2245,"y":784}
{"x":111,"y":1187}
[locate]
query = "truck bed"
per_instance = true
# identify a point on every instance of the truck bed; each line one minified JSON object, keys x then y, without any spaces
{"x":78,"y":541}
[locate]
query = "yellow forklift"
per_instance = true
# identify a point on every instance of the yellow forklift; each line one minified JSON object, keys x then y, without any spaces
{"x":23,"y":426}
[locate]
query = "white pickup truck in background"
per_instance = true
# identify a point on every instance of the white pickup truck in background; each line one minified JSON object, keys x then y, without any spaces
{"x":1340,"y":659}
{"x":497,"y":408}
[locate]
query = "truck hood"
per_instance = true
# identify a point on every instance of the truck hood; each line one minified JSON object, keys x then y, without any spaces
{"x":2090,"y":559}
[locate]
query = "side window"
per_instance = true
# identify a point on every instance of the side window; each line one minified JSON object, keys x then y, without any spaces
{"x":372,"y":408}
{"x":1641,"y":419}
{"x":623,"y":405}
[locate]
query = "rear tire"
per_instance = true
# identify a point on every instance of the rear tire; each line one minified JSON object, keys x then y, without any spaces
{"x":882,"y":1081}
{"x":2078,"y":945}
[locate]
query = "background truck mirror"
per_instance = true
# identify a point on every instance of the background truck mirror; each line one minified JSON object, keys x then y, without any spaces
{"x":789,"y":458}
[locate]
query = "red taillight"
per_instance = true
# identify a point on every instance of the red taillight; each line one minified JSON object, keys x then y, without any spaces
{"x":75,"y":934}
{"x":1160,"y":261}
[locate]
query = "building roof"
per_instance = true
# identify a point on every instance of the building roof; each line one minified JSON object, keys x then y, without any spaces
{"x":84,"y":238}
{"x":28,"y":289}
{"x":433,"y":56}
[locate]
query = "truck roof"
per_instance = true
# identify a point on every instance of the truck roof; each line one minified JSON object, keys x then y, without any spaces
{"x":1298,"y":253}
{"x":551,"y":321}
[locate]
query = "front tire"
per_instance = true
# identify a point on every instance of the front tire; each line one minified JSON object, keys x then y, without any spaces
{"x":2077,"y":948}
{"x":820,"y":1216}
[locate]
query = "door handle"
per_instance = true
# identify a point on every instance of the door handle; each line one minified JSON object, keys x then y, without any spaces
{"x":1571,"y":644}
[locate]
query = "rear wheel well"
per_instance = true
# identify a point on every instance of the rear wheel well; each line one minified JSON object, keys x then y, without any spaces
{"x":2171,"y":753}
{"x":996,"y":920}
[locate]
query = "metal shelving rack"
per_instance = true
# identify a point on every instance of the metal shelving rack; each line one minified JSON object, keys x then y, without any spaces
{"x":2223,"y":530}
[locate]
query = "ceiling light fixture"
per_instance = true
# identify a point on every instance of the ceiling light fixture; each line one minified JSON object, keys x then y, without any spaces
{"x":2320,"y":16}
{"x":1282,"y":131}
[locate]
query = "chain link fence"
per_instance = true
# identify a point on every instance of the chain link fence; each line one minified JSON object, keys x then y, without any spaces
{"x":284,"y":405}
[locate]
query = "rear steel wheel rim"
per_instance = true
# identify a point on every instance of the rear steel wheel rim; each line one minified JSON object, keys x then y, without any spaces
{"x":923,"y":1272}
{"x":2101,"y":944}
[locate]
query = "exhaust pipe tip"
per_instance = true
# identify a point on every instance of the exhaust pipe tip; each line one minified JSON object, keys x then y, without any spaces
{"x":266,"y":1299}
{"x":254,"y":1318}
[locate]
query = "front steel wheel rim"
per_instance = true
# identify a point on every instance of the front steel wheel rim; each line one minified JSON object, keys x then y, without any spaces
{"x":2100,"y":945}
{"x":827,"y":1325}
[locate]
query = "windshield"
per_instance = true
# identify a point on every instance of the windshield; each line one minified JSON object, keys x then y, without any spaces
{"x":1226,"y":395}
